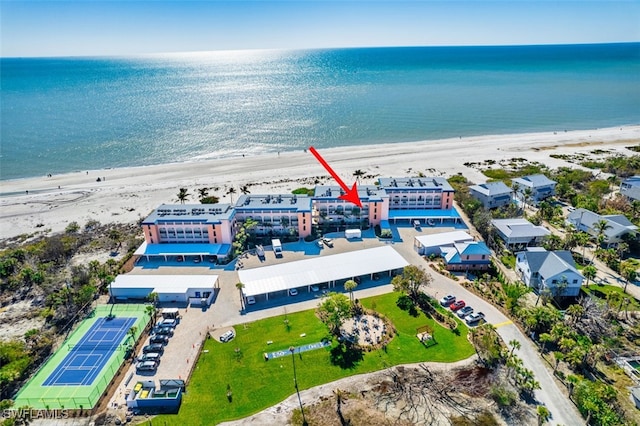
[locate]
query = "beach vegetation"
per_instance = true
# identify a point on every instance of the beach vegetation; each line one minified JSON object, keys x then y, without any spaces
{"x":183,"y":195}
{"x":303,"y":191}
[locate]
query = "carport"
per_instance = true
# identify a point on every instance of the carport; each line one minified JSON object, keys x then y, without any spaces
{"x":166,"y":250}
{"x":324,"y":269}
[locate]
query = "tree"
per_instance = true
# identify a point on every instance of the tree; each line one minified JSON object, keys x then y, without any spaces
{"x":544,"y":339}
{"x":358,"y":174}
{"x":601,"y":227}
{"x":412,"y":278}
{"x":349,"y":286}
{"x":151,"y":311}
{"x":240,"y":286}
{"x":515,"y":344}
{"x":333,"y":310}
{"x":528,"y":192}
{"x":153,"y":298}
{"x":211,"y":199}
{"x":552,"y":242}
{"x":628,"y":272}
{"x":230,"y":192}
{"x":203,"y":193}
{"x":589,"y":272}
{"x":582,"y":239}
{"x":576,"y":312}
{"x":543,"y":414}
{"x":340,"y":397}
{"x":245,"y":189}
{"x":183,"y":195}
{"x":132,"y":333}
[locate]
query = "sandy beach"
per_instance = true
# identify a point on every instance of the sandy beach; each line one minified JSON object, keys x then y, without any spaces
{"x":127,"y":194}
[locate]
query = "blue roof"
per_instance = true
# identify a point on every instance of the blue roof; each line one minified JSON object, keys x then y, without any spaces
{"x":186,"y":249}
{"x":384,"y":224}
{"x":422,"y":213}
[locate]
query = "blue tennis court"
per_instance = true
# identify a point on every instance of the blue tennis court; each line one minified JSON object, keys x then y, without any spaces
{"x":89,"y":355}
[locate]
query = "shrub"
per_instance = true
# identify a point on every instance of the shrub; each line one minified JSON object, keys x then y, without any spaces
{"x":503,"y":396}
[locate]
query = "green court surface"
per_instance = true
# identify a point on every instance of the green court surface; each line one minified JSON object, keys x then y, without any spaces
{"x":38,"y":396}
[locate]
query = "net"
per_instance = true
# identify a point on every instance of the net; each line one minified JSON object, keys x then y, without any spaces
{"x":96,"y":348}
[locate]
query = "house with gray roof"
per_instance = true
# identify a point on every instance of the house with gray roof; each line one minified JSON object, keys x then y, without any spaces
{"x":549,"y":270}
{"x":541,"y":187}
{"x":618,"y":226}
{"x":518,"y":232}
{"x":630,"y":188}
{"x":491,"y":194}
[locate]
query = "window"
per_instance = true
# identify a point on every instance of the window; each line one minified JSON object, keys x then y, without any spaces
{"x":197,"y":294}
{"x":554,"y":281}
{"x":484,"y":256}
{"x":575,"y":281}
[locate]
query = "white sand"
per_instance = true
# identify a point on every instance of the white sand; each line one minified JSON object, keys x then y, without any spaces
{"x":131,"y":193}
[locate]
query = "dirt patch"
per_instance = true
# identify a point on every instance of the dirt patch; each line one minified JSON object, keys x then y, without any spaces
{"x":18,"y":318}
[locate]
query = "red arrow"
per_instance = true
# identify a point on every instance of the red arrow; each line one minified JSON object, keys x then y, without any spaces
{"x":350,"y":195}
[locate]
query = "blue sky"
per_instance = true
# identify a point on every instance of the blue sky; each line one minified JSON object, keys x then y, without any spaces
{"x":83,"y":27}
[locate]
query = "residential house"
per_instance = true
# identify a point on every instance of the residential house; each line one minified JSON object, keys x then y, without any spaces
{"x":519,"y":233}
{"x":432,"y":243}
{"x":617,"y":228}
{"x":467,"y":256}
{"x":549,"y":270}
{"x":630,"y":188}
{"x":492,"y":194}
{"x":533,"y":188}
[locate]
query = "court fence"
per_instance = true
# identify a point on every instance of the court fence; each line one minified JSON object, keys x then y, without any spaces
{"x":86,"y":397}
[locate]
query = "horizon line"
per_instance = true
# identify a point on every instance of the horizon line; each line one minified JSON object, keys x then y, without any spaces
{"x":151,"y":54}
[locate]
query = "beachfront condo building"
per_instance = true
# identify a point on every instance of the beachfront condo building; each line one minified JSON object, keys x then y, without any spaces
{"x":282,"y":214}
{"x":418,"y":193}
{"x":329,"y":208}
{"x":209,"y":229}
{"x":190,"y":223}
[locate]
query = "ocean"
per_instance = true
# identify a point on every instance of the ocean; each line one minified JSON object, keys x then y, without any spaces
{"x":72,"y":114}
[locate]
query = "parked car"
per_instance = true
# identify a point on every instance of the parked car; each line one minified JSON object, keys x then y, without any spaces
{"x":147,"y":366}
{"x":320,"y":243}
{"x":458,"y":304}
{"x":164,"y":330}
{"x":168,"y":322}
{"x":154,"y":347}
{"x":447,"y":300}
{"x":293,"y":292}
{"x":227,"y":335}
{"x":328,"y":242}
{"x":251,"y":300}
{"x":474,"y":318}
{"x":315,"y":288}
{"x":150,"y":356}
{"x":159,"y":338}
{"x":463,"y":312}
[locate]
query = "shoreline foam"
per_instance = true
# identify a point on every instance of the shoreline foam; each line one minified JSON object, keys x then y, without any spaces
{"x":129,"y":193}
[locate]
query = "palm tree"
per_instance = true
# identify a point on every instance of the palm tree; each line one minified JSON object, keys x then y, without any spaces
{"x":132,"y":333}
{"x":203,"y":193}
{"x":628,"y":272}
{"x":358,"y":174}
{"x":245,"y":189}
{"x":515,"y":186}
{"x":601,"y":226}
{"x":231,"y":191}
{"x":240,"y":286}
{"x":589,"y":272}
{"x":151,"y":311}
{"x":582,"y":239}
{"x":183,"y":194}
{"x":340,"y":397}
{"x":350,"y":285}
{"x":527,"y":196}
{"x":515,"y":344}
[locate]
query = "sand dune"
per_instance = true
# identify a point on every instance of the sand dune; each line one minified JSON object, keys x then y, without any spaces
{"x":127,"y":194}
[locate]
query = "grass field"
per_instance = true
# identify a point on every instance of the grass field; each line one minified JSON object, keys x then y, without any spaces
{"x":604,"y":291}
{"x":257,"y":384}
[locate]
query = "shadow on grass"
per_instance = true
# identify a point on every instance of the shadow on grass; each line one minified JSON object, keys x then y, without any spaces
{"x":346,"y":356}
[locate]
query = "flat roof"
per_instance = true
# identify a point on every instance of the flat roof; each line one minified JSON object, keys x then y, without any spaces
{"x":204,"y":213}
{"x":165,"y":283}
{"x":284,"y":202}
{"x":409,"y":183}
{"x":175,"y":249}
{"x":365,"y":192}
{"x":318,"y":270}
{"x":443,"y":238}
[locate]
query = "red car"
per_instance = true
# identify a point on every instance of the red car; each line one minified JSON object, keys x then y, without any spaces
{"x":458,"y":304}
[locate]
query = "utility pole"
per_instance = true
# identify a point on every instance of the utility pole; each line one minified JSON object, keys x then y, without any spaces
{"x":295,"y":382}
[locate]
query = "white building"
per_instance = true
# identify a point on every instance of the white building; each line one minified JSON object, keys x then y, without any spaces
{"x":430,"y":244}
{"x":190,"y":289}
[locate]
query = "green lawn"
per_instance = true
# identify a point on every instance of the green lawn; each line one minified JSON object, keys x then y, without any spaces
{"x":602,"y":292}
{"x":257,"y":384}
